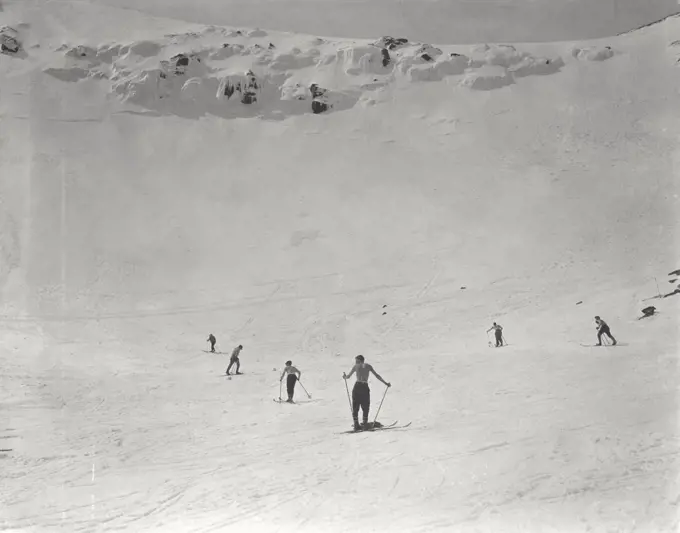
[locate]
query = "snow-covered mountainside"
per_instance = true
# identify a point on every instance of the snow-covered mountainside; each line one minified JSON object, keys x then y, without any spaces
{"x":314,"y":198}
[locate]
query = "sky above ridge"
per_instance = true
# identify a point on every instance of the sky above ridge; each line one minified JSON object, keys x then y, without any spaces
{"x":435,"y":21}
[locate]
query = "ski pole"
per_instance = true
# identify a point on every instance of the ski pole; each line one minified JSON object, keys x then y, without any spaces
{"x":348,"y":398}
{"x":504,"y":341}
{"x":381,"y":402}
{"x":280,"y":385}
{"x":303,"y":388}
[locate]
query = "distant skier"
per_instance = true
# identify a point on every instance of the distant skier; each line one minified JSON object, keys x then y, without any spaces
{"x":235,"y":360}
{"x":212,"y":340}
{"x":603,"y":329}
{"x":291,"y":380}
{"x":498,"y":332}
{"x":361,"y":393}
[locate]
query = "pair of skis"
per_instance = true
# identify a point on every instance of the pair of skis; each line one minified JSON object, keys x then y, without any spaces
{"x":279,"y":400}
{"x":393,"y":425}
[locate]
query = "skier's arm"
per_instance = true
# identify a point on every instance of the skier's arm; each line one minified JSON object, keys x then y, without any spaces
{"x":347,"y":376}
{"x":282,"y":374}
{"x":379,"y":378}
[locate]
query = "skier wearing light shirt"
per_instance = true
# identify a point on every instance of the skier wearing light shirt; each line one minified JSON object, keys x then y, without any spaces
{"x":498,"y":333}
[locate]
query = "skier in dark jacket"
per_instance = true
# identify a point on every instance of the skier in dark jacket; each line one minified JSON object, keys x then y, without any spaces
{"x":235,"y":360}
{"x":603,"y":329}
{"x":361,"y":394}
{"x":212,"y":340}
{"x":293,"y":377}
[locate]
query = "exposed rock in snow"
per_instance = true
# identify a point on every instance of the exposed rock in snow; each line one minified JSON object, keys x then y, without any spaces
{"x":9,"y":40}
{"x":184,"y":64}
{"x":391,"y":43}
{"x":427,"y":52}
{"x":319,"y":99}
{"x":244,"y":87}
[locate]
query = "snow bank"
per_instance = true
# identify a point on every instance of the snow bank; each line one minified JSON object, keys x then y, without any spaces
{"x":454,"y":65}
{"x":369,"y":59}
{"x":488,"y":78}
{"x":595,"y":53}
{"x":145,"y":48}
{"x":276,"y":75}
{"x":536,"y":66}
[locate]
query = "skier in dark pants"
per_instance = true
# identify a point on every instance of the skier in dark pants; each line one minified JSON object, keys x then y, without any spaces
{"x":235,"y":360}
{"x":361,"y":393}
{"x":603,"y":329}
{"x":292,"y":379}
{"x":498,"y":332}
{"x":212,"y":340}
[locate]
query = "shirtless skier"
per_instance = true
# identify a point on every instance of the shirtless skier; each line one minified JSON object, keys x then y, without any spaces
{"x":361,"y":393}
{"x":293,"y":377}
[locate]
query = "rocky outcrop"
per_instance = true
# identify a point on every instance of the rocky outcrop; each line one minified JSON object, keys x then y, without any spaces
{"x":428,"y":52}
{"x":9,"y":40}
{"x":244,"y":87}
{"x":391,"y":43}
{"x":319,"y":99}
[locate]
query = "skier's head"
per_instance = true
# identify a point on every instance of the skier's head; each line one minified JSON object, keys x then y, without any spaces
{"x":359,"y":358}
{"x":597,"y":318}
{"x":289,"y":363}
{"x":240,"y":346}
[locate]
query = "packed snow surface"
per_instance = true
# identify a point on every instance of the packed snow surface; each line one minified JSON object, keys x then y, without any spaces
{"x":314,"y":198}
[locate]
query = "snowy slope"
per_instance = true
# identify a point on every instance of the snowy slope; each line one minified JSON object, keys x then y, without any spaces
{"x":442,"y":21}
{"x":314,"y":199}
